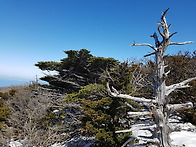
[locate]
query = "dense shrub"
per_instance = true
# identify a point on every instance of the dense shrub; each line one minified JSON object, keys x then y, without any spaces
{"x":101,"y":114}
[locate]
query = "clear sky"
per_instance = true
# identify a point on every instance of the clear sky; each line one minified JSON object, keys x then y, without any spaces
{"x":40,"y":30}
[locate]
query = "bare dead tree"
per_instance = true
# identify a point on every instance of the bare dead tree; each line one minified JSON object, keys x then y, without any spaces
{"x":158,"y":107}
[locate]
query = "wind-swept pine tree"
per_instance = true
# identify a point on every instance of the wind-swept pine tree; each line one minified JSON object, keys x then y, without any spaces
{"x":78,"y":69}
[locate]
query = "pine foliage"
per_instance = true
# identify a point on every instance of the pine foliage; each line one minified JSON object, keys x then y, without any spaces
{"x":78,"y":69}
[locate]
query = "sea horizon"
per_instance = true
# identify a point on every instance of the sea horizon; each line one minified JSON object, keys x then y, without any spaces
{"x":8,"y":82}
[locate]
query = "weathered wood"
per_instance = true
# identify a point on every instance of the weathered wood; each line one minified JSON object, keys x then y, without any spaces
{"x":135,"y":129}
{"x":182,"y":84}
{"x":174,"y":107}
{"x":125,"y":96}
{"x":138,"y":114}
{"x":134,"y":109}
{"x":149,"y":54}
{"x":143,"y":44}
{"x":160,"y":109}
{"x":180,"y":43}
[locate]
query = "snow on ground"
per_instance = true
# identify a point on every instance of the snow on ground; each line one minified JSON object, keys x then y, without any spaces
{"x":77,"y":141}
{"x":187,"y":135}
{"x":15,"y":144}
{"x":184,"y":138}
{"x":180,"y":139}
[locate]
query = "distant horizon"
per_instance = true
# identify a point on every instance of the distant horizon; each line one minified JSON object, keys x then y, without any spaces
{"x":9,"y":82}
{"x":6,"y":82}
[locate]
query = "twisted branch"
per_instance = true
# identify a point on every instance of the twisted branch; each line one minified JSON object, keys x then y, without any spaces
{"x":182,"y":84}
{"x":115,"y":93}
{"x":143,"y":44}
{"x":173,"y":107}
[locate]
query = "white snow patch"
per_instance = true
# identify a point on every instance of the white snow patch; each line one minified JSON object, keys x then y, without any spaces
{"x":15,"y":144}
{"x":184,"y":138}
{"x":77,"y":141}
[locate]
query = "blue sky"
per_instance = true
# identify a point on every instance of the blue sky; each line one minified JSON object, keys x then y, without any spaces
{"x":40,"y":30}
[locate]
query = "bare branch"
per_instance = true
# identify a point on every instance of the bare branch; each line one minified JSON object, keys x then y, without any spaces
{"x":108,"y":88}
{"x":134,"y":109}
{"x":138,"y":99}
{"x":172,"y":34}
{"x":173,"y":107}
{"x":164,"y":13}
{"x":166,"y":74}
{"x":143,"y":44}
{"x":108,"y":75}
{"x":137,"y":128}
{"x":157,"y":43}
{"x":182,"y":84}
{"x":125,"y":144}
{"x":124,"y":131}
{"x":115,"y":91}
{"x":163,"y":23}
{"x":160,"y":30}
{"x":138,"y":114}
{"x":169,"y":26}
{"x":182,"y":43}
{"x":150,"y":54}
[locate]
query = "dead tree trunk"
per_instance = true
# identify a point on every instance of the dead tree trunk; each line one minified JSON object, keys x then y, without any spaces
{"x":159,"y":107}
